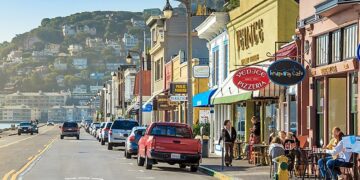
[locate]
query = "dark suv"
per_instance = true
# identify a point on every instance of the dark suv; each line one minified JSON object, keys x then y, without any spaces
{"x":70,"y":129}
{"x":25,"y":127}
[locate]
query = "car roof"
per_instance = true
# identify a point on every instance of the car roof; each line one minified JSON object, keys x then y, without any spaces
{"x":170,"y":123}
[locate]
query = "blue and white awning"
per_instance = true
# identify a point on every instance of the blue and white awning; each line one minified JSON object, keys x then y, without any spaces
{"x":203,"y":99}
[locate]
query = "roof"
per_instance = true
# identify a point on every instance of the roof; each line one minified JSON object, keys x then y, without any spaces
{"x":169,"y":123}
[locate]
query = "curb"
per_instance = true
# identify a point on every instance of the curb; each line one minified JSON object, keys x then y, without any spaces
{"x":214,"y":174}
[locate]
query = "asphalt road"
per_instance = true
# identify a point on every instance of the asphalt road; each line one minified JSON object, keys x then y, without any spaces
{"x":85,"y":159}
{"x":15,"y":151}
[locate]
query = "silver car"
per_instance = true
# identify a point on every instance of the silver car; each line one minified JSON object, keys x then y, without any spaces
{"x":119,"y":131}
{"x":98,"y":131}
{"x":105,"y":132}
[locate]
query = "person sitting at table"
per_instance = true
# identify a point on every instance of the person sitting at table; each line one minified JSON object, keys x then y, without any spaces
{"x":339,"y":158}
{"x":282,"y":136}
{"x":333,"y":142}
{"x":255,"y":130}
{"x":291,"y":140}
{"x":271,"y":137}
{"x":276,"y":149}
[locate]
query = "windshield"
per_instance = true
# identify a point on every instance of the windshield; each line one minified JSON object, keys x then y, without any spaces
{"x":102,"y":125}
{"x":140,"y":132}
{"x":25,"y":124}
{"x":173,"y":131}
{"x":124,"y":125}
{"x":108,"y":125}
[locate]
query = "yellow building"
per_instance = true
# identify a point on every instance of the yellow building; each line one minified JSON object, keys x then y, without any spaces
{"x":257,"y":29}
{"x":179,"y":75}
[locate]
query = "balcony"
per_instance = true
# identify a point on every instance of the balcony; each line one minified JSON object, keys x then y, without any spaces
{"x":330,"y":7}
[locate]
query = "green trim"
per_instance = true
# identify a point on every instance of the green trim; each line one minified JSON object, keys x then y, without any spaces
{"x":233,"y":98}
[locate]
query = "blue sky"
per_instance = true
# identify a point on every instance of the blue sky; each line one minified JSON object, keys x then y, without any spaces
{"x":19,"y":16}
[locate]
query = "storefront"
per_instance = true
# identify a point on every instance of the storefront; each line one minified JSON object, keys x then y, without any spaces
{"x":329,"y":96}
{"x":257,"y":29}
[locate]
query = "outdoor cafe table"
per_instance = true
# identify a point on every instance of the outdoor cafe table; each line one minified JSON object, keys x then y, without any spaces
{"x":262,"y":148}
{"x":320,"y":154}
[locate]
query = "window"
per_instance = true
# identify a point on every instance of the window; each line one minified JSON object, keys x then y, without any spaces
{"x":215,"y":73}
{"x":226,"y":60}
{"x":158,"y":69}
{"x":322,"y":50}
{"x":353,"y":103}
{"x":350,"y":41}
{"x":337,"y":45}
{"x":124,"y":125}
{"x":172,"y":131}
{"x":320,"y":112}
{"x":335,"y":53}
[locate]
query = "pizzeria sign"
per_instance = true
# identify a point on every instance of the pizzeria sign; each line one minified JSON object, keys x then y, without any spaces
{"x":251,"y":79}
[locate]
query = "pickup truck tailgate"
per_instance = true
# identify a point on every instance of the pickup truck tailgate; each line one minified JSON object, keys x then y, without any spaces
{"x":176,"y":145}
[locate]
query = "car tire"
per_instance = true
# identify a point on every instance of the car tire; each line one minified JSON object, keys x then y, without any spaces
{"x":61,"y":137}
{"x":110,"y":146}
{"x":182,"y":166}
{"x":148,"y":163}
{"x":78,"y":137}
{"x":127,"y":155}
{"x":19,"y":133}
{"x":31,"y":133}
{"x":102,"y":142}
{"x":140,"y":160}
{"x":194,"y":168}
{"x":99,"y":139}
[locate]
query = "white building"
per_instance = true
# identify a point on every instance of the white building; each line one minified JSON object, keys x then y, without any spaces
{"x":94,"y":43}
{"x":15,"y":113}
{"x":80,"y":63}
{"x":52,"y":48}
{"x":80,"y":89}
{"x":58,"y":65}
{"x":69,"y":113}
{"x":213,"y":29}
{"x":74,"y":49}
{"x":115,"y":45}
{"x":14,"y":55}
{"x":68,"y":30}
{"x":138,"y":23}
{"x":130,"y":41}
{"x":129,"y":76}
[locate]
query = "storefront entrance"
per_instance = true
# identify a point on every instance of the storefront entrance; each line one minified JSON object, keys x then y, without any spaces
{"x":337,"y":104}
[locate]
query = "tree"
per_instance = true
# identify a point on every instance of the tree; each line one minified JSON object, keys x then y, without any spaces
{"x":45,"y":21}
{"x":49,"y":35}
{"x":38,"y":46}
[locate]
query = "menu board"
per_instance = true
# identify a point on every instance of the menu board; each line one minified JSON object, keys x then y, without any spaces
{"x":352,"y":143}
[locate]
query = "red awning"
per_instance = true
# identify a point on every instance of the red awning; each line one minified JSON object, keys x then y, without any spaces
{"x":287,"y":51}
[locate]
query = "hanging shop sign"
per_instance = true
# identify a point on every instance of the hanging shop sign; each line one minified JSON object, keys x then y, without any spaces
{"x":251,"y":79}
{"x":178,"y":98}
{"x":162,"y":102}
{"x":178,"y":88}
{"x":201,"y":71}
{"x":286,"y":72}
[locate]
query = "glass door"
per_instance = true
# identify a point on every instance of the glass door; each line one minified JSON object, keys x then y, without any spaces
{"x":240,"y":118}
{"x":353,"y":103}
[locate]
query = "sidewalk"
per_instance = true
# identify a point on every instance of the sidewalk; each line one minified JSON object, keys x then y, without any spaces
{"x":240,"y":170}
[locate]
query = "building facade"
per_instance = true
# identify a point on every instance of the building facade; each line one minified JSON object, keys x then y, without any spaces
{"x":329,"y":35}
{"x":15,"y":113}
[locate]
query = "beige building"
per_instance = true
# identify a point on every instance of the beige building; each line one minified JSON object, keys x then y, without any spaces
{"x":15,"y":113}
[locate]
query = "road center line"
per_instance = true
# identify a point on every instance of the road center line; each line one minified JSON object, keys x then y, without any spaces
{"x":7,"y":175}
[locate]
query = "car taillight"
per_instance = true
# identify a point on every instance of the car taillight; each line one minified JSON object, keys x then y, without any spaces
{"x":106,"y":129}
{"x":132,"y":138}
{"x":62,"y":128}
{"x":110,"y":132}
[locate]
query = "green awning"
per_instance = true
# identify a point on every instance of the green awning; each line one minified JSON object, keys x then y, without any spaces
{"x":234,"y":98}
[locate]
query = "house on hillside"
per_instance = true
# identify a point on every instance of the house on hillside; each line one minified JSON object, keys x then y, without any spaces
{"x":130,"y":41}
{"x":60,"y":66}
{"x":80,"y":63}
{"x":94,"y":43}
{"x":74,"y":49}
{"x":17,"y":54}
{"x":52,"y":48}
{"x":138,"y":23}
{"x":68,"y":30}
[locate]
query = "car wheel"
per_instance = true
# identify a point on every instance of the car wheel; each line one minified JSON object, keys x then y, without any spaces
{"x":182,"y":166}
{"x":19,"y":133}
{"x":78,"y":137}
{"x":61,"y":137}
{"x":110,"y":146}
{"x":140,"y":160}
{"x":99,"y":139}
{"x":102,"y":142}
{"x":194,"y":168}
{"x":31,"y":133}
{"x":127,"y":155}
{"x":148,"y":163}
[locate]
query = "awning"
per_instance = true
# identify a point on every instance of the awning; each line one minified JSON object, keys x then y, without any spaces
{"x":287,"y":51}
{"x":228,"y":93}
{"x":203,"y":99}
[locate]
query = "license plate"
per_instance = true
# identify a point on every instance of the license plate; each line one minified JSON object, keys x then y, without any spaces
{"x":25,"y":130}
{"x":175,"y":156}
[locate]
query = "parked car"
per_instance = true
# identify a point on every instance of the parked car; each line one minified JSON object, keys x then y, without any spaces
{"x":171,"y":143}
{"x":131,"y":144}
{"x":119,"y":131}
{"x":70,"y":129}
{"x":105,"y":133}
{"x":49,"y":123}
{"x":94,"y":128}
{"x":98,"y":132}
{"x":25,"y":127}
{"x":35,"y":128}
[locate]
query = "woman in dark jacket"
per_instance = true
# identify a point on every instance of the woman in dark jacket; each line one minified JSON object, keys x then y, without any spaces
{"x":229,"y":137}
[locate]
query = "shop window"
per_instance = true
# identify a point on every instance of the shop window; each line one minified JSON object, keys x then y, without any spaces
{"x":293,"y":115}
{"x":335,"y":53}
{"x":320,"y":112}
{"x":270,"y":118}
{"x":215,"y":73}
{"x":240,"y":111}
{"x":353,"y":103}
{"x":158,"y":69}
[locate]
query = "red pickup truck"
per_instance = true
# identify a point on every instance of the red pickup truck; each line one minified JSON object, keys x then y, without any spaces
{"x":171,"y":143}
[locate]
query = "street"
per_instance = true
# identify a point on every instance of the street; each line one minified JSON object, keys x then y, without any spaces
{"x":45,"y":156}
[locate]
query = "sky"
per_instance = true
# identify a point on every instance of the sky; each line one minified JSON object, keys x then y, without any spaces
{"x":19,"y":16}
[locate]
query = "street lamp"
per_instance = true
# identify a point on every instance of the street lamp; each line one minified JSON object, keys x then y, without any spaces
{"x":129,"y":60}
{"x":168,"y":13}
{"x":168,"y":10}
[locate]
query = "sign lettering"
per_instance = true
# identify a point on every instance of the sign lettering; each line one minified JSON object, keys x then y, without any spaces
{"x":251,"y":79}
{"x":251,"y":35}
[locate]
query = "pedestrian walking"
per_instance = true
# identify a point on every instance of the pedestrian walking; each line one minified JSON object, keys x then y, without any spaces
{"x":229,"y":137}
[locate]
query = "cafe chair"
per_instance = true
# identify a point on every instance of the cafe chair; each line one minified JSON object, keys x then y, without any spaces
{"x":347,"y":169}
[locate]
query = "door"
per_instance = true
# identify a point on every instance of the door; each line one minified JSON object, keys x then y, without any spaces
{"x":337,"y":104}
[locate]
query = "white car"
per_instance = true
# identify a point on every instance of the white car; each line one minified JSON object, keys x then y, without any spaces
{"x":105,"y":133}
{"x":119,"y":131}
{"x":98,"y":131}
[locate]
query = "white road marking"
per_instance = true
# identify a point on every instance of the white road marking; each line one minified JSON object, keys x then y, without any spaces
{"x":6,"y":145}
{"x":145,"y":178}
{"x":83,"y":178}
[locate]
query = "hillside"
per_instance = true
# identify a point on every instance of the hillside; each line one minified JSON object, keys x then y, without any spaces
{"x":64,"y":52}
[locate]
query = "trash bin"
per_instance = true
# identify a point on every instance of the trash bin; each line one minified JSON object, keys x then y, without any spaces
{"x":205,"y":148}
